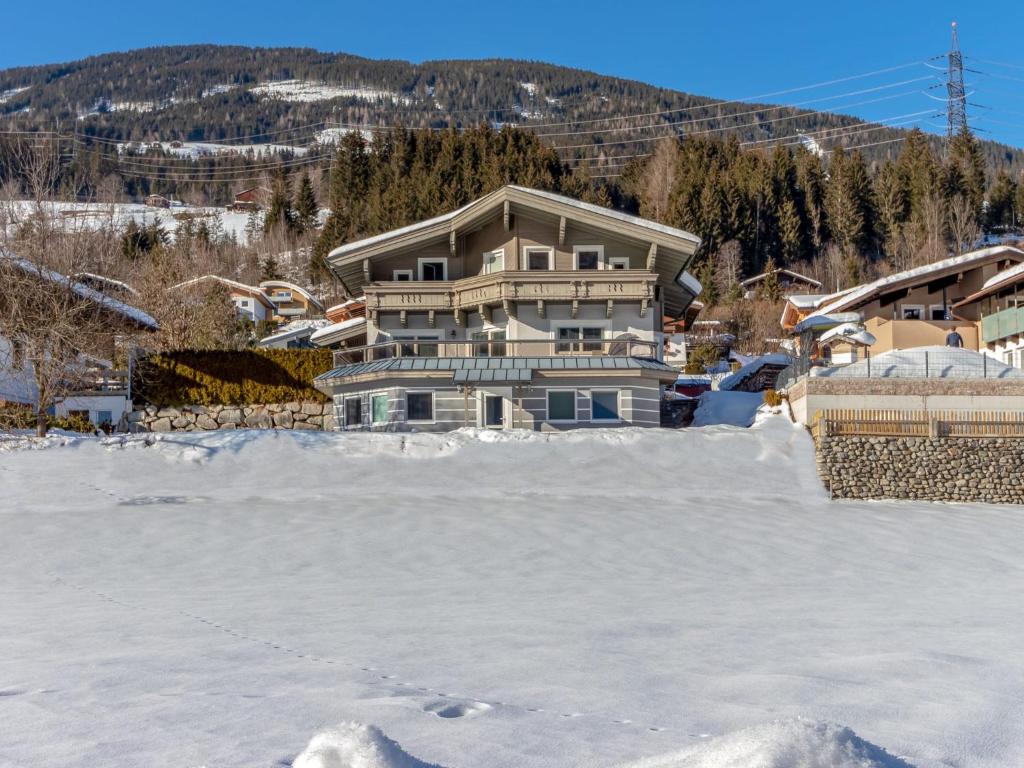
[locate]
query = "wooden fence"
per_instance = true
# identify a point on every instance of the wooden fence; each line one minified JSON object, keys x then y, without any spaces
{"x":886,"y":423}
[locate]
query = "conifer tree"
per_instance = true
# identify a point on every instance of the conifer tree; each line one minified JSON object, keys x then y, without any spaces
{"x":270,"y":269}
{"x":770,"y":288}
{"x":1002,"y":202}
{"x":280,"y":213}
{"x":306,"y":207}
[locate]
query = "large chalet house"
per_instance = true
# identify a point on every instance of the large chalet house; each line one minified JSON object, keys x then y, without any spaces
{"x":523,"y":309}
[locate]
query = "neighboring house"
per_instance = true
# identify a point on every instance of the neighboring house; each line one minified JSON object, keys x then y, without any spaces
{"x":347,"y":326}
{"x":914,"y":308}
{"x":790,"y":282}
{"x":294,"y":335}
{"x":101,"y":394}
{"x":999,"y":308}
{"x":252,"y":199}
{"x":250,"y":301}
{"x":292,"y":302}
{"x":157,"y":201}
{"x":523,"y":309}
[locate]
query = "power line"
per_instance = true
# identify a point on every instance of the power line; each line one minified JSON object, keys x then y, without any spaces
{"x":756,"y":123}
{"x":747,"y":99}
{"x":755,"y":111}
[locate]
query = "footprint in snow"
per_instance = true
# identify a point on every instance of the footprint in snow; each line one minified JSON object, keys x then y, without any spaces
{"x":454,"y":709}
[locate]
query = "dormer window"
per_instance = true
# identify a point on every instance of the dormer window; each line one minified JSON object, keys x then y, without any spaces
{"x":538,"y":259}
{"x":587,"y":257}
{"x":433,"y":269}
{"x":402,"y":275}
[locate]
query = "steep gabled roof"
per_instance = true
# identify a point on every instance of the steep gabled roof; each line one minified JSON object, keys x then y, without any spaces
{"x":782,"y":271}
{"x":234,"y":285}
{"x":675,"y":246}
{"x":484,"y":203}
{"x":127,"y":311}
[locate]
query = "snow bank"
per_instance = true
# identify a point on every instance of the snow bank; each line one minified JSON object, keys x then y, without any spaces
{"x":351,"y":745}
{"x":933,"y":362}
{"x":736,"y":409}
{"x":782,"y":744}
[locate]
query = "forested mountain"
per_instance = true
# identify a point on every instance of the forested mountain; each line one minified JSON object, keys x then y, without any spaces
{"x":227,"y":93}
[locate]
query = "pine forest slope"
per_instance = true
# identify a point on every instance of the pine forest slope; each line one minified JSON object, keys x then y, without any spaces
{"x":221,"y":94}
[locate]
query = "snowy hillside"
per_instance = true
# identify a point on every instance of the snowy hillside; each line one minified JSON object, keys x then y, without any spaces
{"x":608,"y":599}
{"x":93,"y":216}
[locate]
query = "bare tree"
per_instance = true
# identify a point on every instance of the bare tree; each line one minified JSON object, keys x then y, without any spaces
{"x":728,"y":262}
{"x":962,"y":223}
{"x":658,"y":179}
{"x":197,"y":316}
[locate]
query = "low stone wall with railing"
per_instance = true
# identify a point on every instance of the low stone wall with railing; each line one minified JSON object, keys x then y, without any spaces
{"x":923,"y":456}
{"x":197,"y":418}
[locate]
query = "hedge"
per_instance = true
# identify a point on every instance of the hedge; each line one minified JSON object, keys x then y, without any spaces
{"x":228,"y":377}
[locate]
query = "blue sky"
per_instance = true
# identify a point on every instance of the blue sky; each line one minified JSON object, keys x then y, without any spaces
{"x":725,"y":49}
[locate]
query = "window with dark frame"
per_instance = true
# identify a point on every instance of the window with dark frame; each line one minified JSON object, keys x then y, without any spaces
{"x":419,"y":406}
{"x":588,"y":260}
{"x":353,"y":411}
{"x":538,"y":260}
{"x":433,"y":270}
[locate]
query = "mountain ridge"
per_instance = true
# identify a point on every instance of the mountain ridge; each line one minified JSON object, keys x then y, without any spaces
{"x":216,"y":93}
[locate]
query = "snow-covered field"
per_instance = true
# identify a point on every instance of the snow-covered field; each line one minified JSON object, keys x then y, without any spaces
{"x":659,"y":599}
{"x":311,"y":91}
{"x":93,"y":216}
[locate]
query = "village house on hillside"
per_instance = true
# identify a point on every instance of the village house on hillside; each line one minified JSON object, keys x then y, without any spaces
{"x":252,"y":199}
{"x":347,"y":326}
{"x":291,"y":302}
{"x":250,"y":302}
{"x":523,"y":309}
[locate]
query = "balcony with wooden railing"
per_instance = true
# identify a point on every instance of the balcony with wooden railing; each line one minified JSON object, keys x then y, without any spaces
{"x":511,"y":286}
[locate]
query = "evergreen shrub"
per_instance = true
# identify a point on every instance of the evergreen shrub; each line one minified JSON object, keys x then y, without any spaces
{"x":231,"y":377}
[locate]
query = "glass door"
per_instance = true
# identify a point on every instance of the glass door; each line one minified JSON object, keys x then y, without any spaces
{"x":494,"y":411}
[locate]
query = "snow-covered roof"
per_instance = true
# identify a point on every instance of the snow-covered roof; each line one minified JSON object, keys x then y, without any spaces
{"x":1005,"y":276}
{"x":782,"y":270}
{"x":91,"y":276}
{"x":296,"y":329}
{"x":342,"y":250}
{"x":964,"y":260}
{"x":852,"y":333}
{"x":127,"y":311}
{"x":247,"y":289}
{"x":821,"y":320}
{"x":292,"y":287}
{"x":934,"y":362}
{"x":338,"y":331}
{"x":344,"y":304}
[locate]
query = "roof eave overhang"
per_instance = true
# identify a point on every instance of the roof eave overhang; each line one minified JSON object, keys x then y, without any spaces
{"x":485,"y":207}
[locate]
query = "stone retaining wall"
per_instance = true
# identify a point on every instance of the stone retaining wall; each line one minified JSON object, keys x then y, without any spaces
{"x":193,"y":418}
{"x":925,"y":469}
